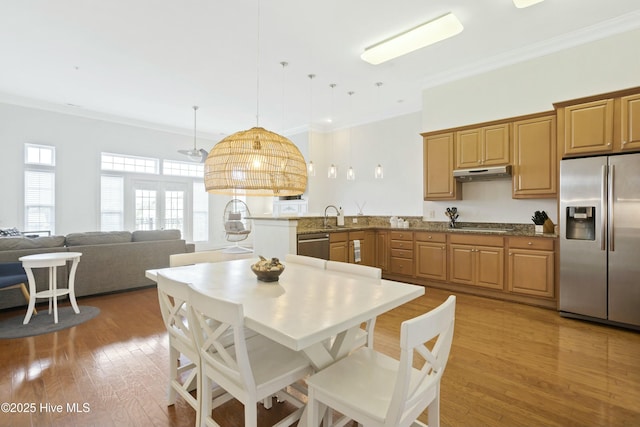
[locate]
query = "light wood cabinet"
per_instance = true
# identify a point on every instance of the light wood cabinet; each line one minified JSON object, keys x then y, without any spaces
{"x":341,"y":246}
{"x":438,"y":152}
{"x":383,"y":250}
{"x":587,"y":128}
{"x":600,"y":124}
{"x":338,"y":246}
{"x":484,"y":146}
{"x":431,"y":255}
{"x":535,"y":164}
{"x":367,"y":247}
{"x":477,"y":260}
{"x":530,"y":267}
{"x":401,"y":260}
{"x":630,"y":122}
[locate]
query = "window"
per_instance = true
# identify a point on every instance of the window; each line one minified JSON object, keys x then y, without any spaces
{"x":200,"y":212}
{"x":112,"y":203}
{"x":117,"y":162}
{"x":170,"y":167}
{"x":136,"y":194}
{"x":39,"y":155}
{"x":39,"y":188}
{"x":174,"y":210}
{"x":146,"y":214}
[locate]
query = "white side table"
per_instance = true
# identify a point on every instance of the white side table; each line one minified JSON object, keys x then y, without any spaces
{"x":51,"y":261}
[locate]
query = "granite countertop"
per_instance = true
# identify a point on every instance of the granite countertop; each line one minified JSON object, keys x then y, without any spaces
{"x":417,"y":224}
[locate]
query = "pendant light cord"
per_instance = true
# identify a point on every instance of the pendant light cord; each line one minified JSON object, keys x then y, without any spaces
{"x":195,"y":109}
{"x":258,"y":72}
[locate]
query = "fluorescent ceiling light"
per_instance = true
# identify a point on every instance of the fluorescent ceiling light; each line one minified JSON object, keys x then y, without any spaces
{"x":416,"y":38}
{"x":525,"y":3}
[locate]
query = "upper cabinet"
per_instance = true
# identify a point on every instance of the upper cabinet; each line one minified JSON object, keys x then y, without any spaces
{"x":438,"y":151}
{"x":484,"y":146}
{"x":630,"y":122}
{"x":587,"y":128}
{"x":535,"y":165}
{"x":601,"y":124}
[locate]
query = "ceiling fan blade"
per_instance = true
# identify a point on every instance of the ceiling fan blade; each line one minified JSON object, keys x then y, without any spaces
{"x":204,"y":154}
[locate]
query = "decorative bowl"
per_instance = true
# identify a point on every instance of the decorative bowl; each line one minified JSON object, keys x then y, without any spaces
{"x":267,"y":270}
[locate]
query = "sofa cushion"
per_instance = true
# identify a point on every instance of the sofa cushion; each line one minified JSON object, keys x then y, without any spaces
{"x":98,"y":238}
{"x":150,"y":235}
{"x":13,"y":243}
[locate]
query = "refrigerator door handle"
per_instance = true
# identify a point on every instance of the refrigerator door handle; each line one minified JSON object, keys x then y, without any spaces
{"x":603,"y":217}
{"x":611,"y":200}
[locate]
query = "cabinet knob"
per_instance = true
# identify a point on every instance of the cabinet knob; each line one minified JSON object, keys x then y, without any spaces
{"x":510,"y":253}
{"x":529,"y":243}
{"x":444,"y":247}
{"x":623,"y":143}
{"x":429,"y":237}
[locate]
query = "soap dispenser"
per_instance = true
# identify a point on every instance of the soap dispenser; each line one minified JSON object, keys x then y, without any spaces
{"x":340,"y":217}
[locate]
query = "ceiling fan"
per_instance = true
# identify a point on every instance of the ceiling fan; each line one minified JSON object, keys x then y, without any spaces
{"x":195,"y":154}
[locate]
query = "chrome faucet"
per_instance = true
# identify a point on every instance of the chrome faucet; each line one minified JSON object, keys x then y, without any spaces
{"x":326,"y":219}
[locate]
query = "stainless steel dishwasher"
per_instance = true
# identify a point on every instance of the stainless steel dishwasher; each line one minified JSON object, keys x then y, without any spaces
{"x":314,"y":244}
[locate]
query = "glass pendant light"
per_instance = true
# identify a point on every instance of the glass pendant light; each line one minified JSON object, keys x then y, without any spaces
{"x":351,"y":175}
{"x":311,"y":169}
{"x":378,"y":172}
{"x":332,"y":173}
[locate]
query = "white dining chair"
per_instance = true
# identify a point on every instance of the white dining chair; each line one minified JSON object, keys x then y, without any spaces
{"x":251,"y":369}
{"x":189,"y":258}
{"x":173,"y":297}
{"x":306,"y":260}
{"x":366,"y":336}
{"x":376,"y":390}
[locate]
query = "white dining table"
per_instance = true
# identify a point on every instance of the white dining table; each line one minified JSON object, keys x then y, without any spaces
{"x":305,"y":309}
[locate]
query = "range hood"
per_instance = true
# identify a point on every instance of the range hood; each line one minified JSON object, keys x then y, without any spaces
{"x":482,"y":174}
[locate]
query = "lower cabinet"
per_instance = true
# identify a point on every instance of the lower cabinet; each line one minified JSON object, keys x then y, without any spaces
{"x":339,"y":247}
{"x":342,"y":247}
{"x":513,"y":268}
{"x":382,"y":250}
{"x":367,"y":243}
{"x":477,"y":260}
{"x":531,"y":269}
{"x":431,"y":255}
{"x":401,"y":261}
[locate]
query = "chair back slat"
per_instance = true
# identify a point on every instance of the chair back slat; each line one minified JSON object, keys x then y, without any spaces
{"x":230,"y":359}
{"x":173,"y":300}
{"x":411,"y":389}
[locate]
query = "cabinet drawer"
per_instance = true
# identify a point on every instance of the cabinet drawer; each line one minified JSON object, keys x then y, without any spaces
{"x":431,"y":237}
{"x":540,"y":244}
{"x":401,"y":265}
{"x":402,"y":235}
{"x":356,"y":235}
{"x":476,"y":239}
{"x":338,"y":237}
{"x":401,"y":244}
{"x":402,"y":253}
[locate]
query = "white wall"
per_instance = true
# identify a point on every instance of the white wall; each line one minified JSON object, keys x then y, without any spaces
{"x":395,"y":143}
{"x":529,"y":87}
{"x":79,"y":142}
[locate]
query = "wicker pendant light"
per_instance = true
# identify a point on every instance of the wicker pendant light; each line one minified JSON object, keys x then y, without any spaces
{"x":255,"y":162}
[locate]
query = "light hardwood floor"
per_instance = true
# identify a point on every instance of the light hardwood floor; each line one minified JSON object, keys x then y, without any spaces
{"x":510,"y":365}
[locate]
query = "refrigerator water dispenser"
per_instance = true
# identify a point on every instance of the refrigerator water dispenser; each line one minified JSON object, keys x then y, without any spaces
{"x":581,"y":223}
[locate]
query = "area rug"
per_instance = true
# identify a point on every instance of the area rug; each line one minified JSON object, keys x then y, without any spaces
{"x":42,"y":323}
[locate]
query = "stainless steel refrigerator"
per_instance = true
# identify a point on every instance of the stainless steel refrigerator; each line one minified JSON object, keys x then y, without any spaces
{"x":600,"y":239}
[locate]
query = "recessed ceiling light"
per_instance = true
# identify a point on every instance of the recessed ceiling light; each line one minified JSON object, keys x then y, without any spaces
{"x":520,"y":4}
{"x":416,"y":38}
